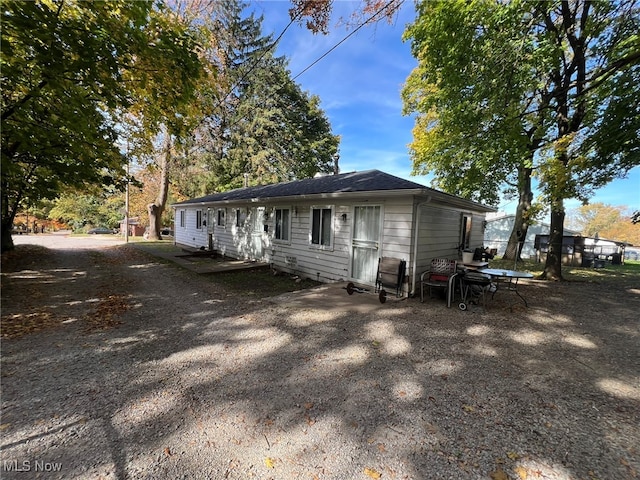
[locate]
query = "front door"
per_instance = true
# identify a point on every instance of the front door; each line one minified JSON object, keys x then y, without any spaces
{"x":365,"y":243}
{"x":210,"y":222}
{"x":257,"y":230}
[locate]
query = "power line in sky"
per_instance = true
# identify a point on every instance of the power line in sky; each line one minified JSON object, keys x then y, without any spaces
{"x":368,"y":20}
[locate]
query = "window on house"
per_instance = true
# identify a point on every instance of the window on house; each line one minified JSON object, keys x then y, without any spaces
{"x":465,"y":231}
{"x":321,"y":225}
{"x":282,"y":226}
{"x":221,"y":215}
{"x":199,"y":219}
{"x":183,"y":222}
{"x":241,"y":216}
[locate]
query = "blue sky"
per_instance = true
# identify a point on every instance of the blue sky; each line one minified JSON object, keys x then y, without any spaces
{"x":359,"y":85}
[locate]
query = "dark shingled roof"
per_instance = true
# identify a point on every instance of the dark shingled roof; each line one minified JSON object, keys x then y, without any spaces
{"x":353,"y":182}
{"x":367,"y":181}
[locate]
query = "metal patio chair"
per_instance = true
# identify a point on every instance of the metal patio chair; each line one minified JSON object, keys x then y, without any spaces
{"x":442,"y":274}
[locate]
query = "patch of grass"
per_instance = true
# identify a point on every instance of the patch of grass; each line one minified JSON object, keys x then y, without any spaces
{"x":163,"y":245}
{"x":608,"y":274}
{"x":260,"y":282}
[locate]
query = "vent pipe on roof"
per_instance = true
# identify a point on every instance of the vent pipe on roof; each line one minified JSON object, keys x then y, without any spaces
{"x":245,"y":182}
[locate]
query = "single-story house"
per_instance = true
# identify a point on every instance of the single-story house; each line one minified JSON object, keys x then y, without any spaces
{"x":579,"y":251}
{"x":498,"y":230}
{"x":334,"y":227}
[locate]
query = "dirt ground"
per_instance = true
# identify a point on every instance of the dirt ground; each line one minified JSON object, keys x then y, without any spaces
{"x":118,"y":364}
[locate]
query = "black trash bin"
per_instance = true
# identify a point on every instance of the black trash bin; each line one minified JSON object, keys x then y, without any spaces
{"x":587,"y":259}
{"x":616,"y":259}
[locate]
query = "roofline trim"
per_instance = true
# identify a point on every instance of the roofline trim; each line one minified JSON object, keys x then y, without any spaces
{"x":421,"y":192}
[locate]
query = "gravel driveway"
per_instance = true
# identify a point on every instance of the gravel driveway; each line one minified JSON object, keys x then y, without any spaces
{"x":147,"y":370}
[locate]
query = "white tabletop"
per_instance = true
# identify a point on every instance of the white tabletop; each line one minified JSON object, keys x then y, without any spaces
{"x":497,"y":272}
{"x":474,"y":264}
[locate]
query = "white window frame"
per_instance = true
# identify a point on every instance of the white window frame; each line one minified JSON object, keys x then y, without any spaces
{"x":278,"y":232}
{"x":466,"y":225}
{"x":182,"y":215}
{"x":318,"y":244}
{"x":198,"y":219}
{"x":241,"y":217}
{"x":221,"y":215}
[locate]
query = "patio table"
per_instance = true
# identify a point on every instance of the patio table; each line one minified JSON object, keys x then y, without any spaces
{"x":509,"y":278}
{"x":474,"y":264}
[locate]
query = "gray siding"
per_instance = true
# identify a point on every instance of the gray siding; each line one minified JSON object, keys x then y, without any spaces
{"x":439,"y":234}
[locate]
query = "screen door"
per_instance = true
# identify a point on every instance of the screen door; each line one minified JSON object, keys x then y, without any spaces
{"x":365,"y":244}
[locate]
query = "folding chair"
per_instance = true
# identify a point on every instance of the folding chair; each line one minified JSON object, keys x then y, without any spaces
{"x":391,"y":272}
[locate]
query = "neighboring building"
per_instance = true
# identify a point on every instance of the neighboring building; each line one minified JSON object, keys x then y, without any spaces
{"x":632,"y":254}
{"x":498,"y":230}
{"x":136,"y":229}
{"x":580,"y":251}
{"x":334,"y":227}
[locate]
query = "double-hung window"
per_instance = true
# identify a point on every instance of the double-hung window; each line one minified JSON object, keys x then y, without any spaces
{"x":199,"y":219}
{"x":321,"y":226}
{"x":183,"y":222}
{"x":221,"y":215}
{"x":282,"y":224}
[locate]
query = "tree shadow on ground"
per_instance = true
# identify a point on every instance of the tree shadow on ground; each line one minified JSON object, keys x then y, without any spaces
{"x":196,"y":382}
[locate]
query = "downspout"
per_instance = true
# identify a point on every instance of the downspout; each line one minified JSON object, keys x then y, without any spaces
{"x":175,"y":211}
{"x":414,"y":263}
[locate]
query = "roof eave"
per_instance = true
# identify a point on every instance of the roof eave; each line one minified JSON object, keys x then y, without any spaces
{"x":421,"y":192}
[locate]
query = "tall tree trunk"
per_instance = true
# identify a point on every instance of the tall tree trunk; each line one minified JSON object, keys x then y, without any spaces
{"x":7,"y":239}
{"x":553,"y":265}
{"x":522,"y":220}
{"x":9,"y":210}
{"x":156,"y":209}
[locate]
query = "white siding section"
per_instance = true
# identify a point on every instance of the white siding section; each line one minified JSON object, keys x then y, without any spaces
{"x":398,"y":234}
{"x":190,"y":235}
{"x":302,"y":258}
{"x":438,"y":235}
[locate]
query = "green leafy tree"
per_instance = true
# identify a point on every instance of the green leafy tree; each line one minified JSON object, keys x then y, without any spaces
{"x":166,"y":109}
{"x":595,"y":48}
{"x":262,"y":126}
{"x":505,"y":91}
{"x":80,"y":210}
{"x":479,"y":123}
{"x":68,"y":69}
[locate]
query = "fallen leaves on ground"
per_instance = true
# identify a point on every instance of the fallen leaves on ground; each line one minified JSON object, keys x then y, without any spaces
{"x":107,"y":312}
{"x":19,"y":324}
{"x":522,"y":473}
{"x":499,"y":475}
{"x":24,"y":255}
{"x":372,"y":473}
